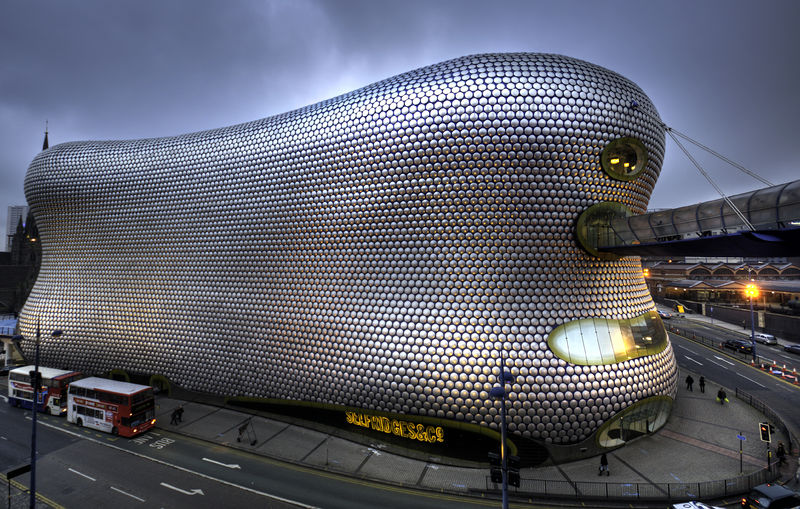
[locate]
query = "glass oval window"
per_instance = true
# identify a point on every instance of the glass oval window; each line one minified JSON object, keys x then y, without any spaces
{"x":624,"y":158}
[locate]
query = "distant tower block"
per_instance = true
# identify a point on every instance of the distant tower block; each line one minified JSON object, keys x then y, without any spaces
{"x":376,"y":251}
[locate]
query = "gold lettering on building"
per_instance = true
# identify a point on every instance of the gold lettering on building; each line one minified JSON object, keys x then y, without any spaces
{"x":405,"y":429}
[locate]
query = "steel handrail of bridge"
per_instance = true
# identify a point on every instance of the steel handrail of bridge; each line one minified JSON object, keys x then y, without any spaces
{"x":775,"y":208}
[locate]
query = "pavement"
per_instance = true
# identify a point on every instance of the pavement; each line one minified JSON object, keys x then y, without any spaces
{"x":699,"y":443}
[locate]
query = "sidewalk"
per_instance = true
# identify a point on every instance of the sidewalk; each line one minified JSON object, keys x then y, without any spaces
{"x":699,"y":443}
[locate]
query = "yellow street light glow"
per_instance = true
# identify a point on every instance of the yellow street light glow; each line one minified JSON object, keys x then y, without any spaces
{"x":751,"y":291}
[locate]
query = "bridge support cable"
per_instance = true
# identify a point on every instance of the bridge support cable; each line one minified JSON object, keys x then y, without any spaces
{"x":711,"y":181}
{"x":713,"y":152}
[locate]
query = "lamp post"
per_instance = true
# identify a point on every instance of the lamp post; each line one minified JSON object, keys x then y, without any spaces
{"x":751,"y":291}
{"x":35,"y":382}
{"x":498,"y":392}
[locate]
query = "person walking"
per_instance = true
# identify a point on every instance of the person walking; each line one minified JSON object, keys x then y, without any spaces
{"x":781,"y":453}
{"x":721,"y":396}
{"x":702,"y":384}
{"x":689,"y":382}
{"x":603,"y":465}
{"x":174,"y":417}
{"x":179,"y":411}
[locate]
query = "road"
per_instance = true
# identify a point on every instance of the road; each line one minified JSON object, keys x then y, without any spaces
{"x":83,"y":468}
{"x":734,"y":370}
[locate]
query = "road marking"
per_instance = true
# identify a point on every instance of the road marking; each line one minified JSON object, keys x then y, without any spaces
{"x":132,"y":496}
{"x":696,"y":362}
{"x":228,"y":465}
{"x":4,"y":398}
{"x":195,"y":491}
{"x":748,"y":378}
{"x":184,"y":469}
{"x":81,"y":474}
{"x":723,"y":360}
{"x":718,"y":364}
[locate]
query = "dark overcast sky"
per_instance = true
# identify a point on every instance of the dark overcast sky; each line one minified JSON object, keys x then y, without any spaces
{"x":725,"y":72}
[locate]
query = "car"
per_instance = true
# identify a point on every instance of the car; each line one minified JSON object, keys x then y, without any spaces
{"x":738,"y":345}
{"x":771,"y":496}
{"x":792,"y":348}
{"x":767,"y":339}
{"x":664,"y":315}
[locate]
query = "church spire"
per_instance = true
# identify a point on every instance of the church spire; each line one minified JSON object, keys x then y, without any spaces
{"x":46,"y":144}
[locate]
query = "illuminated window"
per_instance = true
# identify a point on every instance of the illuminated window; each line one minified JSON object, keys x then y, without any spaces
{"x":624,"y":158}
{"x":641,"y":418}
{"x":595,"y":228}
{"x":604,"y":341}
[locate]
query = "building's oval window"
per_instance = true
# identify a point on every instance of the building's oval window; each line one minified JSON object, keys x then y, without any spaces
{"x":624,"y":158}
{"x":603,"y":224}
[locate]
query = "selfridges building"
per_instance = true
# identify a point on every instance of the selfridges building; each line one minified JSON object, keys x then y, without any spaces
{"x":377,"y":257}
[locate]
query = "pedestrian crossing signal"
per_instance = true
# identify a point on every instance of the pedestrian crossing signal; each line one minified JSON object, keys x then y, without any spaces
{"x":764,"y":430}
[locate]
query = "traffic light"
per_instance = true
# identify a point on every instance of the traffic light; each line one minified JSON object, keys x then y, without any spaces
{"x":764,"y":429}
{"x":513,"y":470}
{"x":496,"y":467}
{"x":36,"y":378}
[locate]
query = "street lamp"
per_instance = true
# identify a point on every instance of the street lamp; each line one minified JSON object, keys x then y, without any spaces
{"x":751,"y":291}
{"x":498,"y":392}
{"x":35,"y":382}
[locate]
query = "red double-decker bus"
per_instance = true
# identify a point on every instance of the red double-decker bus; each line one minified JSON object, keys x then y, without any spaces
{"x":52,"y":395}
{"x":120,"y":408}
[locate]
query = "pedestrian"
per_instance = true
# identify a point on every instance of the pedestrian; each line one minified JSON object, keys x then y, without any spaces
{"x":781,"y":453}
{"x":603,"y":465}
{"x":702,"y":384}
{"x":721,"y":396}
{"x":180,"y":413}
{"x":689,"y":382}
{"x":174,"y":418}
{"x":744,"y":324}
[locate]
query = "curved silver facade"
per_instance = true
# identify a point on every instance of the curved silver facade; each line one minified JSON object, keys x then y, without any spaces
{"x":375,"y":250}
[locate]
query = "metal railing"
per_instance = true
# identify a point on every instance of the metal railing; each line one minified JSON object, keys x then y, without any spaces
{"x":592,"y":490}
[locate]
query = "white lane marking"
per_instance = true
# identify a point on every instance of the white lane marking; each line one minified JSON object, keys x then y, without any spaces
{"x":81,"y":474}
{"x":718,"y":364}
{"x":195,"y":491}
{"x":748,"y":378}
{"x":228,"y":465}
{"x":723,"y":360}
{"x":696,"y":362}
{"x":132,"y":496}
{"x":182,"y":469}
{"x":4,"y":398}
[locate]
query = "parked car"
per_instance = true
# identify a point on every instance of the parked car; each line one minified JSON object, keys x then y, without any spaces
{"x":771,"y":496}
{"x":767,"y":339}
{"x":664,"y":315}
{"x":738,"y":345}
{"x":792,"y":348}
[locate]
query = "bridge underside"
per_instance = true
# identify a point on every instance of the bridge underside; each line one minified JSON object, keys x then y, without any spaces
{"x":763,"y":243}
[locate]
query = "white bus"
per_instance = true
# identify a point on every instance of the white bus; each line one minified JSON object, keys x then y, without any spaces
{"x":52,"y":393}
{"x":120,"y":408}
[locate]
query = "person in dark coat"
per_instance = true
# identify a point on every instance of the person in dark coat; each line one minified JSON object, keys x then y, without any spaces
{"x":174,"y":417}
{"x":689,"y":382}
{"x":179,"y":411}
{"x":702,"y":384}
{"x":604,"y":465}
{"x":781,"y":453}
{"x":722,"y":397}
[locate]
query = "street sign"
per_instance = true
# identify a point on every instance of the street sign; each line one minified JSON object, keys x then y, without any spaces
{"x":741,"y":437}
{"x":18,"y":471}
